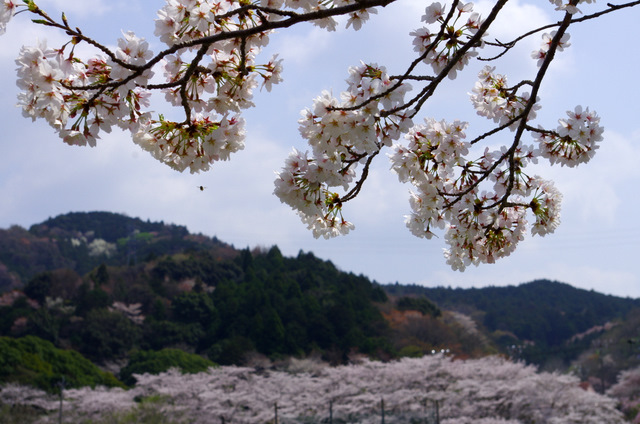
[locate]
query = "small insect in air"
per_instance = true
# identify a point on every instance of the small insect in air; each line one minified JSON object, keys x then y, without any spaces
{"x":201,"y":188}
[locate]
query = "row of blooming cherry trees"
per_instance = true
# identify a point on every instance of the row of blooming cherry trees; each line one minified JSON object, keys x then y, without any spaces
{"x":491,"y":390}
{"x":482,"y":198}
{"x":627,"y":391}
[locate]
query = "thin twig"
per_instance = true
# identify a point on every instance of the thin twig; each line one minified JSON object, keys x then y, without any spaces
{"x":509,"y":45}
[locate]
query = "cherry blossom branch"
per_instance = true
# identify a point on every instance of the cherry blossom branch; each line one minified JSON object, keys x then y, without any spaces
{"x":77,"y":36}
{"x":193,"y":69}
{"x":480,"y":204}
{"x":358,"y":185}
{"x":429,"y":90}
{"x":509,"y":155}
{"x":421,"y":97}
{"x":265,"y":26}
{"x":535,"y":87}
{"x":400,"y":79}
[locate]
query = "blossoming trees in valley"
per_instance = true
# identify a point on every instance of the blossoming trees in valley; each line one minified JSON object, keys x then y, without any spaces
{"x":491,"y":390}
{"x":627,"y":390}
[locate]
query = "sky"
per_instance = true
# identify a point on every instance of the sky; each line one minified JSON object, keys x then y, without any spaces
{"x":596,"y":247}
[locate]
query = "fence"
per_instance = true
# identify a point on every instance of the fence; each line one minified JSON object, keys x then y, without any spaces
{"x":430,"y":414}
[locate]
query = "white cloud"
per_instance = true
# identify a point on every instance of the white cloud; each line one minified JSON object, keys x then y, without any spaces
{"x":515,"y":18}
{"x":81,"y":8}
{"x":293,"y":45}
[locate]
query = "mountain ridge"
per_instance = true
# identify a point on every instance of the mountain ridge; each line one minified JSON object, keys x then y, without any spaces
{"x":134,"y":236}
{"x":83,"y":240}
{"x":101,"y":264}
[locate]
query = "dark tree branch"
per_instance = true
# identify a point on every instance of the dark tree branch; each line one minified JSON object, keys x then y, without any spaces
{"x":532,"y":100}
{"x":510,"y":153}
{"x":365,"y":173}
{"x":191,"y":70}
{"x":428,"y":91}
{"x":291,"y":18}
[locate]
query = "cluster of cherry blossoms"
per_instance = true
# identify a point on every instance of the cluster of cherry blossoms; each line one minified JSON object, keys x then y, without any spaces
{"x":547,"y":41}
{"x":493,"y":99}
{"x":484,"y":220}
{"x":481,"y":224}
{"x":575,"y":139}
{"x":627,"y":391}
{"x":212,"y":81}
{"x":446,"y":43}
{"x":342,"y":133}
{"x":80,"y":98}
{"x":369,"y":115}
{"x":47,"y":77}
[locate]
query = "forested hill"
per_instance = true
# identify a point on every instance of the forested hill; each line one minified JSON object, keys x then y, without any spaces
{"x":82,"y":241}
{"x":106,"y":285}
{"x":544,"y":312}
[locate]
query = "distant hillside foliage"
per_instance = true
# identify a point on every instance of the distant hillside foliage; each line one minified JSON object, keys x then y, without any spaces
{"x":33,"y":361}
{"x":156,"y":362}
{"x":540,"y":318}
{"x":127,"y":293}
{"x":121,"y":284}
{"x":83,"y":240}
